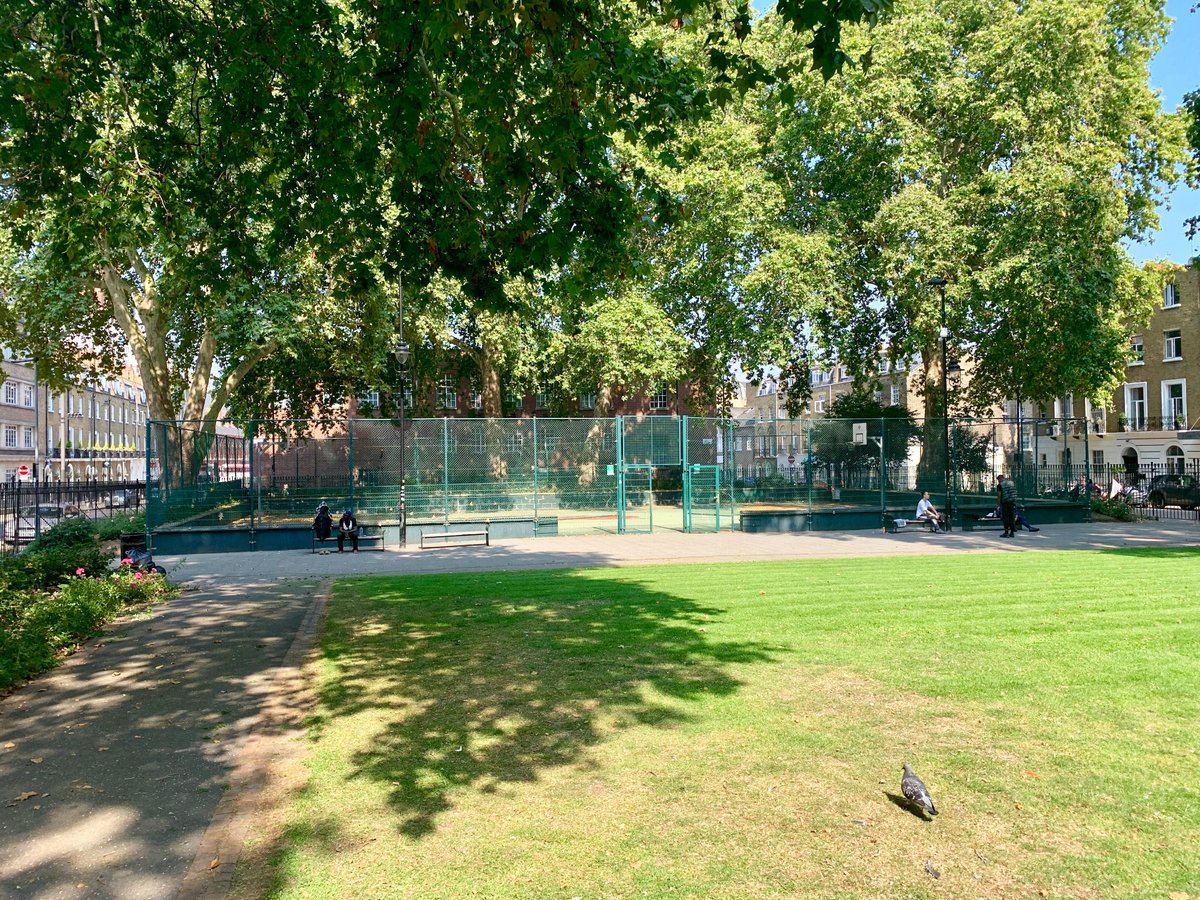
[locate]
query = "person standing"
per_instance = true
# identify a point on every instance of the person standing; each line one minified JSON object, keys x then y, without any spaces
{"x":1006,"y":491}
{"x":347,"y":528}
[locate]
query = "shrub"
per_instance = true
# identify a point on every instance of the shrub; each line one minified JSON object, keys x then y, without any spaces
{"x":68,"y":533}
{"x":35,"y":626}
{"x":45,"y":568}
{"x":112,"y":529}
{"x":1116,"y":508}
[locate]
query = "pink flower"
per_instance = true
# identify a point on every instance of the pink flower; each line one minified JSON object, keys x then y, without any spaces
{"x":127,"y":562}
{"x":81,"y":571}
{"x":138,"y":576}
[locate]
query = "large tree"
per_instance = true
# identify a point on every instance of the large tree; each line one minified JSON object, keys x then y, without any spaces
{"x":176,"y":167}
{"x":1010,"y":148}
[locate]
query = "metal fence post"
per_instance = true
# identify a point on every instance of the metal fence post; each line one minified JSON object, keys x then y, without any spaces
{"x":445,"y":472}
{"x":350,"y":449}
{"x":535,"y":470}
{"x":687,"y":476}
{"x":149,"y":488}
{"x":619,"y":447}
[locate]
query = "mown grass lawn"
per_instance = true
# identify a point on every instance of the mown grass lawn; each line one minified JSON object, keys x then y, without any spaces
{"x":735,"y":731}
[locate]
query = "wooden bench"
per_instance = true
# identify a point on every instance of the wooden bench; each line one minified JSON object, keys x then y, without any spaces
{"x":891,"y":526}
{"x":370,"y":537}
{"x":457,"y":538}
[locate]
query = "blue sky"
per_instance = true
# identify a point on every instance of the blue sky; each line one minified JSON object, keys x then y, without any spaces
{"x":1174,"y":71}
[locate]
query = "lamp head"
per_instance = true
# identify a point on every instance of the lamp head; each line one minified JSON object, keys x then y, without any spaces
{"x":937,"y":282}
{"x":401,"y":352}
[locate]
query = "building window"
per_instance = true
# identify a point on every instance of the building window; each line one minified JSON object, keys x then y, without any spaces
{"x":10,"y":393}
{"x":1174,"y":405}
{"x":877,"y":396}
{"x":884,"y":366}
{"x":587,"y":401}
{"x":28,"y":438}
{"x":1175,"y":460}
{"x":661,"y":400}
{"x":1172,"y":345}
{"x":821,"y":405}
{"x":28,"y":396}
{"x":542,"y":401}
{"x":368,"y":398}
{"x":895,"y":395}
{"x":446,"y":394}
{"x":1135,"y":407}
{"x":1137,"y":351}
{"x":476,"y":399}
{"x":408,"y":396}
{"x":10,"y":436}
{"x":1170,"y":296}
{"x":1098,"y":459}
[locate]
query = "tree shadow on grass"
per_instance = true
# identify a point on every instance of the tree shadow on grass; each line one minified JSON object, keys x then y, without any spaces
{"x":488,"y":680}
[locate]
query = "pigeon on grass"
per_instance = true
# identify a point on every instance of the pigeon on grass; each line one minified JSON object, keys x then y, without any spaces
{"x":914,"y":790}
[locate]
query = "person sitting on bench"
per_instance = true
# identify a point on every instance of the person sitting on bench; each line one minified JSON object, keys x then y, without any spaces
{"x":1022,"y":522}
{"x":322,"y":523}
{"x":926,"y":513}
{"x":347,"y":528}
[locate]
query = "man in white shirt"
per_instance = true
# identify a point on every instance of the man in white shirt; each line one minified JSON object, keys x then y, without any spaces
{"x":927,"y":513}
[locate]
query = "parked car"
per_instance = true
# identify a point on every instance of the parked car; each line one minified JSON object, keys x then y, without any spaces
{"x":1173,"y":490}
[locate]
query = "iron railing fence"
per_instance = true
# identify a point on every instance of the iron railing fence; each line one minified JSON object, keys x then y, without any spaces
{"x":30,"y":507}
{"x":597,"y":474}
{"x":1156,"y":491}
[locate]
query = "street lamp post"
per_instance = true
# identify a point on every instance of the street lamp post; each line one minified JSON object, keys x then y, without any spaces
{"x":401,"y":351}
{"x":943,"y":334}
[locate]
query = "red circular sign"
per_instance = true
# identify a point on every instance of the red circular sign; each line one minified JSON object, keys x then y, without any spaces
{"x":22,"y":471}
{"x":791,"y":460}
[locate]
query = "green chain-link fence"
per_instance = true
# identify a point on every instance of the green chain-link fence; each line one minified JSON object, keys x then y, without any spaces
{"x":623,"y":474}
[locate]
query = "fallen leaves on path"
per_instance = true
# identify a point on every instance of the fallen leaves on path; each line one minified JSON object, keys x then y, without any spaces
{"x":214,"y":863}
{"x":24,"y":796}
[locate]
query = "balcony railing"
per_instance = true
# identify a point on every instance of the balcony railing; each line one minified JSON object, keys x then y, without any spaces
{"x":1153,"y":423}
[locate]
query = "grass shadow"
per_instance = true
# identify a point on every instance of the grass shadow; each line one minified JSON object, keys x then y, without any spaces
{"x":475,"y":682}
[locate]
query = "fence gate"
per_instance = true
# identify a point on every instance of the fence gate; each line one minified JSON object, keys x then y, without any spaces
{"x":702,"y":498}
{"x":635,"y":499}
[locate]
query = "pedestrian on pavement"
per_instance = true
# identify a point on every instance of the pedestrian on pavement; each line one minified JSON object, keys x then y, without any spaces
{"x":323,"y":523}
{"x":1006,"y":492}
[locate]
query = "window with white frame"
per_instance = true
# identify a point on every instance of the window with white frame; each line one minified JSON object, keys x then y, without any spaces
{"x":447,"y":396}
{"x":10,"y":436}
{"x":368,"y":398}
{"x":895,"y":395}
{"x":1170,"y":296}
{"x":1097,"y":459}
{"x":407,"y":398}
{"x":476,"y":399}
{"x":28,"y":437}
{"x":1174,"y":405}
{"x":661,"y":399}
{"x":885,"y":366}
{"x":28,"y":397}
{"x":1135,"y":406}
{"x":821,"y":405}
{"x":10,"y":392}
{"x":542,"y":401}
{"x":587,"y":401}
{"x":49,"y":401}
{"x":1137,"y":351}
{"x":877,"y":396}
{"x":1172,"y":345}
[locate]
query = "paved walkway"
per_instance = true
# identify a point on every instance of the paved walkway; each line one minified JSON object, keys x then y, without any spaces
{"x":668,"y":547}
{"x":124,"y":753}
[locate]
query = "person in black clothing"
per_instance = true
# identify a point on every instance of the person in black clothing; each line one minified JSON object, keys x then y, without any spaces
{"x":323,"y":523}
{"x":1006,"y":492}
{"x":347,"y":528}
